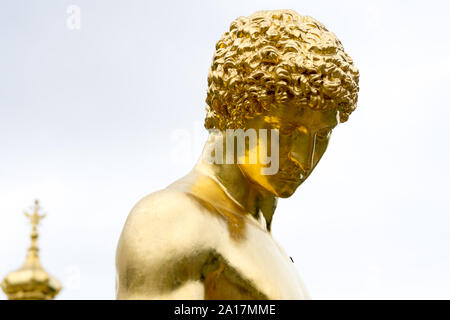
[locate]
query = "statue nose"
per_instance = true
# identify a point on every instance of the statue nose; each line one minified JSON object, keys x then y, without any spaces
{"x":302,"y":152}
{"x":305,"y":166}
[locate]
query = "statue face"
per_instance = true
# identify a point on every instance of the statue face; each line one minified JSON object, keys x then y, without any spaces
{"x":303,"y":138}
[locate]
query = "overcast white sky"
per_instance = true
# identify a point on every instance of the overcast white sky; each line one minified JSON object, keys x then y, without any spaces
{"x":92,"y":120}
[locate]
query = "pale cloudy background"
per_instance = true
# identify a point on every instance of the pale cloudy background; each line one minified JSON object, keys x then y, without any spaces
{"x":92,"y":120}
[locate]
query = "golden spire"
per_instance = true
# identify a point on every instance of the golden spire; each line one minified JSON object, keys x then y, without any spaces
{"x":31,"y":282}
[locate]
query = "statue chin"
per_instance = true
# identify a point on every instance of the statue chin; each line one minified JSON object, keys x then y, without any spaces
{"x":287,"y":190}
{"x":286,"y":193}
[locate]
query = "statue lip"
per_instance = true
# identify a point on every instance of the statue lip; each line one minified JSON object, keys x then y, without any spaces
{"x":292,"y":175}
{"x":290,"y":179}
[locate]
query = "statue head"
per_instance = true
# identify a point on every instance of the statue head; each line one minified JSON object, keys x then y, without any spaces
{"x":279,"y":70}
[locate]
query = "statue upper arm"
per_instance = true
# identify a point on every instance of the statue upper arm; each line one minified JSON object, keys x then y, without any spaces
{"x":160,"y":250}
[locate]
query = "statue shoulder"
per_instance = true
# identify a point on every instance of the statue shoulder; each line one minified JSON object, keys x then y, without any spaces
{"x":167,"y":232}
{"x":166,"y":214}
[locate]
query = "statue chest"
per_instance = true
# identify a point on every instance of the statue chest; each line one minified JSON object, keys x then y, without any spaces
{"x":258,"y":266}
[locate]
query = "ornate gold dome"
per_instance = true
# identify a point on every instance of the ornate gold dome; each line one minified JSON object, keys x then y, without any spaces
{"x":31,"y":282}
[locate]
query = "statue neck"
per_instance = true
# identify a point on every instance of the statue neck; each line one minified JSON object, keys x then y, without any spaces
{"x":251,"y":198}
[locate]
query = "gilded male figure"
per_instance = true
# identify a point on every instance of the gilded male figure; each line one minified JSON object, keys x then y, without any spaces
{"x":208,"y":234}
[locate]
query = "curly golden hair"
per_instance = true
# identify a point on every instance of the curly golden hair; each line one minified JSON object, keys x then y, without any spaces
{"x":272,"y":56}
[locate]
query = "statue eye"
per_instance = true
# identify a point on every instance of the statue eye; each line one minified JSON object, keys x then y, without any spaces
{"x":286,"y":129}
{"x":324,"y":133}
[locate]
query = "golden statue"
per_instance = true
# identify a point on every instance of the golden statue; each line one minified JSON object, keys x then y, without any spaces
{"x":31,"y":282}
{"x":208,"y":235}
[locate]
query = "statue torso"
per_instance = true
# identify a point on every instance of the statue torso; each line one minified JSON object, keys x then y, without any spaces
{"x":175,"y":246}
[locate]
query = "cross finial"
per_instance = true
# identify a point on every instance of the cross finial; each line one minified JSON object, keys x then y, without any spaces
{"x":35,"y":217}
